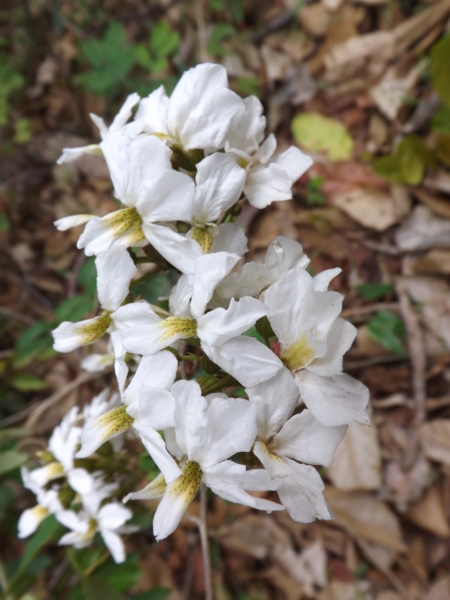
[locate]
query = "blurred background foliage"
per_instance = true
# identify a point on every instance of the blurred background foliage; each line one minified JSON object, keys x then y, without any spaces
{"x":363,"y":86}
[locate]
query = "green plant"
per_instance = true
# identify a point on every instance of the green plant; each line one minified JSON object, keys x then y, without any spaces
{"x":314,"y":196}
{"x":111,"y":58}
{"x":10,"y":81}
{"x":163,"y":42}
{"x":409,"y":162}
{"x":388,"y":329}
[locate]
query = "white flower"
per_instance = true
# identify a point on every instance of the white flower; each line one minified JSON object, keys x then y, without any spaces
{"x":282,"y":254}
{"x":62,"y":445}
{"x":148,"y":407}
{"x":205,"y":436}
{"x":284,"y":439}
{"x":313,"y":341}
{"x":219,"y":182}
{"x":150,"y":189}
{"x":71,"y":154}
{"x":198,"y":113}
{"x":47,"y":503}
{"x":115,"y":270}
{"x":269,"y":178}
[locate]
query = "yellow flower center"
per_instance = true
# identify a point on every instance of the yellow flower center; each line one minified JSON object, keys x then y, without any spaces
{"x":94,"y":330}
{"x":203,"y":238}
{"x":114,"y":422}
{"x":126,"y":220}
{"x":181,"y":327}
{"x":188,"y":483}
{"x":298,"y":355}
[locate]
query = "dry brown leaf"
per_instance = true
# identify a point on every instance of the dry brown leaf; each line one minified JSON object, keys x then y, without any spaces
{"x":435,"y":440}
{"x":429,"y":513}
{"x":390,"y":93}
{"x":436,"y":261}
{"x":405,"y":487}
{"x":357,"y":461}
{"x":423,"y":230}
{"x":438,"y":180}
{"x":363,"y":514}
{"x":315,"y":18}
{"x":388,"y":595}
{"x":277,"y":63}
{"x":291,"y":589}
{"x":341,"y":590}
{"x":374,"y":208}
{"x":439,"y":590}
{"x":438,"y":204}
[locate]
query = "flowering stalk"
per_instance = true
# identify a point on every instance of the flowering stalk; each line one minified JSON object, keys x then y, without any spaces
{"x":182,"y":168}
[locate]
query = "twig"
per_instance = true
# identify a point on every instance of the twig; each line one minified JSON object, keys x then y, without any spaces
{"x":203,"y":529}
{"x":13,"y":314}
{"x":418,"y":360}
{"x":361,"y":363}
{"x":358,"y":311}
{"x":37,"y":410}
{"x":190,"y":569}
{"x":382,"y":248}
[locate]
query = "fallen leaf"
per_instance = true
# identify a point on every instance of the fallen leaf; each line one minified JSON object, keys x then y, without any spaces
{"x":314,"y":132}
{"x":315,"y":18}
{"x":357,"y":461}
{"x":375,"y":209}
{"x":429,"y":513}
{"x":276,"y":63}
{"x":438,"y":204}
{"x":367,"y":516}
{"x":439,"y":590}
{"x":436,"y":261}
{"x":423,"y":230}
{"x":390,"y":93}
{"x":405,"y":487}
{"x":435,"y":440}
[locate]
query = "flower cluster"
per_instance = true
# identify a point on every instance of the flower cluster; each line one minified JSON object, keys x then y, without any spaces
{"x":182,"y":168}
{"x":82,"y":499}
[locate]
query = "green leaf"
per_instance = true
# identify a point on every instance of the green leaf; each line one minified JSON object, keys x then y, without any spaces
{"x":22,"y":131}
{"x":48,"y":530}
{"x":373,"y":291}
{"x":87,"y":276}
{"x":317,"y":133}
{"x":439,"y":68}
{"x":408,"y":164}
{"x":12,"y":433}
{"x":28,"y":383}
{"x":110,"y":58}
{"x":443,"y":149}
{"x":5,"y":225}
{"x":10,"y":81}
{"x":248,"y":86}
{"x":163,"y":40}
{"x":220,"y":33}
{"x":96,"y":589}
{"x":11,"y":459}
{"x":440,"y":121}
{"x":121,"y":577}
{"x":33,"y":343}
{"x":85,"y":559}
{"x":154,"y":286}
{"x":74,"y":309}
{"x":387,"y":329}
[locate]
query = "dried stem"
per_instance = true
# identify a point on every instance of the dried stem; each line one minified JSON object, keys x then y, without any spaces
{"x":203,"y":529}
{"x":418,"y":360}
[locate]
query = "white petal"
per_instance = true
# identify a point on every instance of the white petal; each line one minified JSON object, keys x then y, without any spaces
{"x":336,"y":400}
{"x":179,"y":494}
{"x":294,"y":163}
{"x":305,"y":439}
{"x":156,"y":336}
{"x":155,"y":446}
{"x":321,"y":281}
{"x":77,"y":522}
{"x":190,"y":417}
{"x":201,"y":107}
{"x":115,"y":545}
{"x":285,"y":299}
{"x":249,"y":282}
{"x":40,"y":477}
{"x":103,"y":428}
{"x":68,"y":222}
{"x":219,"y":183}
{"x":283,"y":254}
{"x":81,"y":481}
{"x":274,"y":464}
{"x":100,"y":124}
{"x":94,"y":363}
{"x":153,"y":408}
{"x":30,"y":520}
{"x":302,"y":495}
{"x":180,"y":297}
{"x":155,"y":489}
{"x":339,"y":340}
{"x":178,"y":250}
{"x":115,"y":270}
{"x":246,"y":359}
{"x":265,"y":152}
{"x":72,"y":154}
{"x":209,"y":271}
{"x":219,"y":325}
{"x":125,"y":112}
{"x":247,"y":131}
{"x":157,"y":371}
{"x":137,"y":314}
{"x":167,"y":197}
{"x":69,"y":336}
{"x":113,"y":515}
{"x":231,"y":429}
{"x":229,"y":237}
{"x":275,"y":400}
{"x":153,"y":111}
